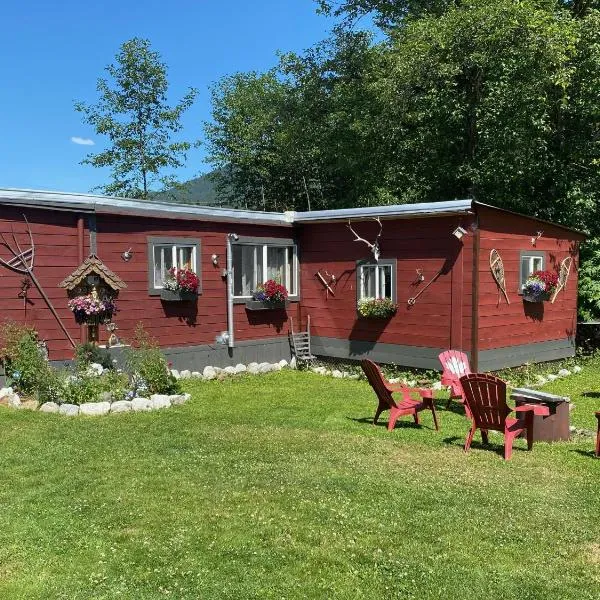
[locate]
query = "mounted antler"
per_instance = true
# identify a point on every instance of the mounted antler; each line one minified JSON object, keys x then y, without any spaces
{"x":374,"y":247}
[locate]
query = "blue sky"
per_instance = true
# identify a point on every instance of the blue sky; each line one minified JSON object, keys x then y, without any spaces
{"x":51,"y":54}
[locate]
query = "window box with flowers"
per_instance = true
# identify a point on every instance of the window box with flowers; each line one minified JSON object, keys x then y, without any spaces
{"x":376,"y":308}
{"x":181,"y":285}
{"x":269,"y":295}
{"x":539,"y":286}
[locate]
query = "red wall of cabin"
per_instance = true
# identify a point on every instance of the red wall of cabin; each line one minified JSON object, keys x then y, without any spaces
{"x":441,"y":315}
{"x":502,"y":325}
{"x":172,"y":324}
{"x":56,"y":255}
{"x":182,"y":324}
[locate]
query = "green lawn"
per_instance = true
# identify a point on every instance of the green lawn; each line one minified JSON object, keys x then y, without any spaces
{"x":278,"y":487}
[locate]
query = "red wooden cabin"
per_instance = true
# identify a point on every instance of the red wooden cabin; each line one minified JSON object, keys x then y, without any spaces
{"x":315,"y":255}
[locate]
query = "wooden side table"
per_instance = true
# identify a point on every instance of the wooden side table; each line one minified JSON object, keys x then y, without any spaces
{"x":551,"y":428}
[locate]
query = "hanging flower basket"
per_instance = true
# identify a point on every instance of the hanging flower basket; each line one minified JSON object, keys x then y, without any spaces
{"x":536,"y":298}
{"x":539,"y":286}
{"x":181,"y":286}
{"x":376,"y":308}
{"x":91,"y":310}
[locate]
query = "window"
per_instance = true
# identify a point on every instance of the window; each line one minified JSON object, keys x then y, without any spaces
{"x":255,"y":260}
{"x":376,"y":280}
{"x":530,"y":262}
{"x":166,"y":253}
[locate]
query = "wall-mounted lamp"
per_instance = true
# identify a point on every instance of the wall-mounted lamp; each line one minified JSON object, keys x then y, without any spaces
{"x":536,"y":237}
{"x":233,"y":236}
{"x":459,"y":233}
{"x":215,"y":259}
{"x":127,"y":255}
{"x":420,"y":277}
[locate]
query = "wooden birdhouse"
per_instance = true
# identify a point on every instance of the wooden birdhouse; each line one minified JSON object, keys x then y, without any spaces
{"x":92,"y":289}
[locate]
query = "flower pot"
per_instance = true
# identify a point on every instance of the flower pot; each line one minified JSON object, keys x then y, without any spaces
{"x":260,"y":305}
{"x":377,"y":317}
{"x":177,"y":296}
{"x":539,"y":298}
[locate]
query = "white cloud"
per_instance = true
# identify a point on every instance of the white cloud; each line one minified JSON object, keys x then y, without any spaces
{"x":82,"y":141}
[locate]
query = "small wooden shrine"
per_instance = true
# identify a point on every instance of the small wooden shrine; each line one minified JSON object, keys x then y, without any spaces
{"x":92,"y":289}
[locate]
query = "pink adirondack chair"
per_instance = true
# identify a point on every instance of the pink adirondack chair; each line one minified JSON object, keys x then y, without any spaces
{"x":485,"y":396}
{"x":407,"y":406}
{"x":598,"y":435}
{"x":455,"y":365}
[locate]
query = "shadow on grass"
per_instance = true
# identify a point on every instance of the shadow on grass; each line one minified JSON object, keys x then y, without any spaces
{"x":455,"y":407}
{"x":587,"y":453}
{"x":591,"y":394}
{"x":383,"y":423}
{"x":455,"y":440}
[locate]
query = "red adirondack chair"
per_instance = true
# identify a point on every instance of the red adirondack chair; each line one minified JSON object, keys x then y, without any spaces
{"x":455,"y":365}
{"x":485,"y":396}
{"x":598,"y":435}
{"x":407,"y":406}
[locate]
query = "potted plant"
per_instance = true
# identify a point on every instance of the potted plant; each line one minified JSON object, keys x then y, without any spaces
{"x":539,"y":286}
{"x":180,"y":285}
{"x":376,"y":308}
{"x":270,"y":295}
{"x":91,"y":309}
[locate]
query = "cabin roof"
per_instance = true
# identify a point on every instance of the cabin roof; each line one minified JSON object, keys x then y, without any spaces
{"x":92,"y":265}
{"x":90,"y":203}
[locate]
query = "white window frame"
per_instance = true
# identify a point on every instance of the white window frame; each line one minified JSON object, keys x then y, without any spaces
{"x":531,"y":256}
{"x":361,"y":265}
{"x":154,"y":289}
{"x":262,"y":245}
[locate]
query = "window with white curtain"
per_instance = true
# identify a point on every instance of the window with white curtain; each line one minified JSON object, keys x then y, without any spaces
{"x":376,"y":280}
{"x":255,"y":262}
{"x":530,"y":263}
{"x":166,"y":253}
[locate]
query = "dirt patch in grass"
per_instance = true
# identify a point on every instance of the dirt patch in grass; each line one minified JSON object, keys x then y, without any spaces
{"x":591,"y":553}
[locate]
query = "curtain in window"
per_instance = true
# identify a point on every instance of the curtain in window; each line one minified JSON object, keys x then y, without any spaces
{"x":163,"y":261}
{"x":247,"y":272}
{"x":369,"y":282}
{"x":385,"y":282}
{"x":185,"y":257}
{"x":277,"y":267}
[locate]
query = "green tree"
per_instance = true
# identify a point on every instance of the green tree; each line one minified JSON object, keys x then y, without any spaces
{"x":133,"y":113}
{"x":492,"y":99}
{"x":295,"y":137}
{"x":393,"y":13}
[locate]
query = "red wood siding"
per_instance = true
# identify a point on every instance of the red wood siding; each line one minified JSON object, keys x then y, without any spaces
{"x":56,"y":255}
{"x":177,"y":324}
{"x":441,"y":314}
{"x":502,"y":325}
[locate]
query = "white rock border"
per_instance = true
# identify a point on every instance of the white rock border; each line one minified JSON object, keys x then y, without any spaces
{"x":94,"y":409}
{"x":160,"y":401}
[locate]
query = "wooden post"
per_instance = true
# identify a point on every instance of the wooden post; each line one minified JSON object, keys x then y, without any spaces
{"x":456,"y":303}
{"x":80,"y":255}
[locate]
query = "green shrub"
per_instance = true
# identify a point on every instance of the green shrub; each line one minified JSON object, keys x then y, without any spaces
{"x":88,"y":353}
{"x":80,"y":386}
{"x":25,"y":364}
{"x":148,"y":367}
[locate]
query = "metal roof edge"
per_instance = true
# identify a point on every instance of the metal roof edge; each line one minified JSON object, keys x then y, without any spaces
{"x":111,"y":205}
{"x":423,"y":209}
